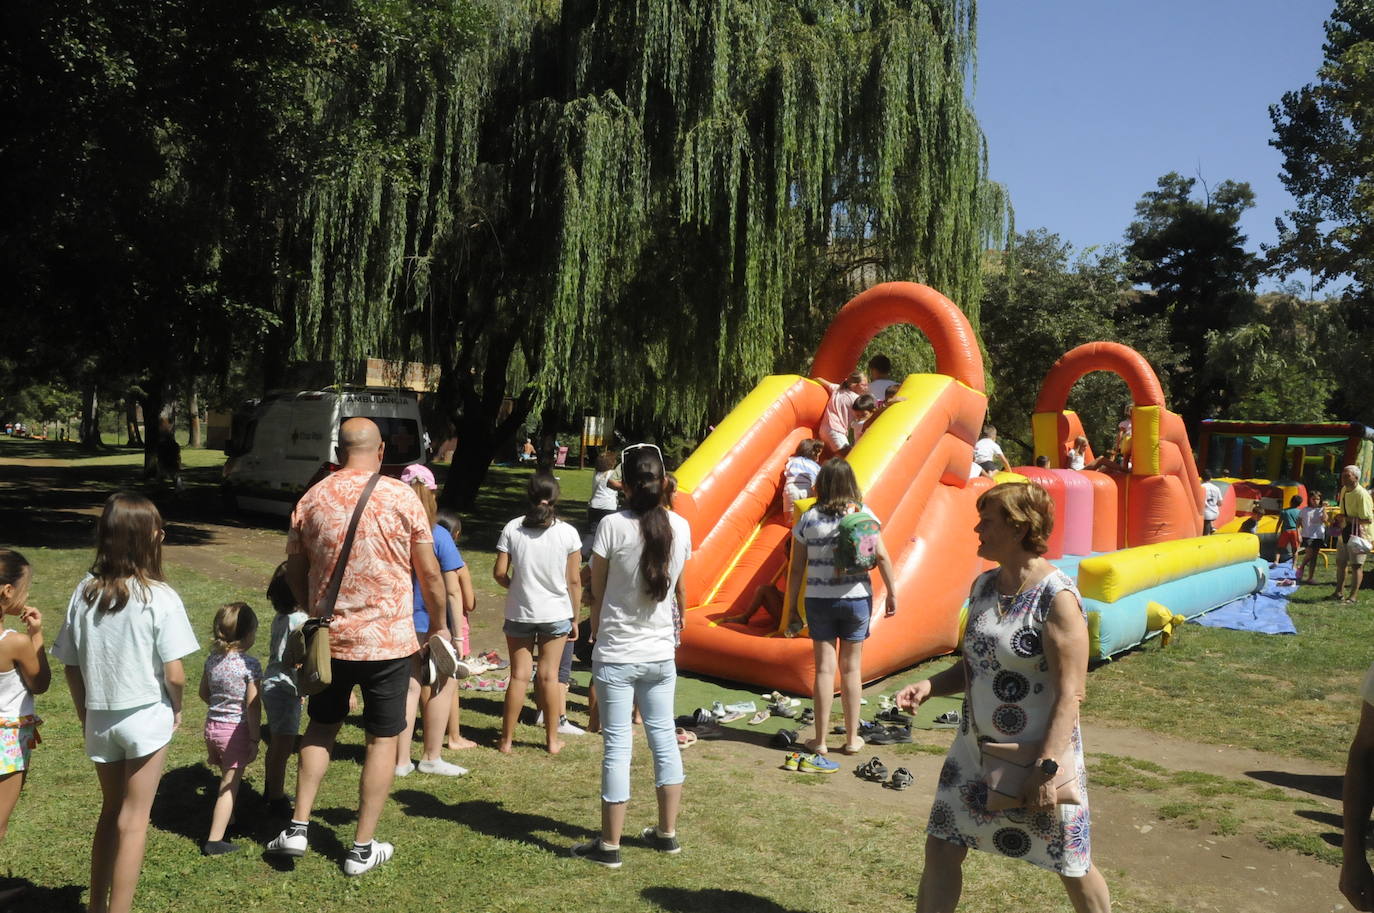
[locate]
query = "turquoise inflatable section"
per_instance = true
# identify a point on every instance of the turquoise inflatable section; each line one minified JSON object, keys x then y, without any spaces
{"x":1121,"y":625}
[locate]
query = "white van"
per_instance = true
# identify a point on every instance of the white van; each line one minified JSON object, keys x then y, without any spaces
{"x":289,"y":442}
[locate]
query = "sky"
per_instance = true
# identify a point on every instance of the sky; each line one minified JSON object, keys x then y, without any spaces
{"x":1085,"y":104}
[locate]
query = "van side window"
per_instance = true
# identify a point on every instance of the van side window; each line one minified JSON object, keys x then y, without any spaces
{"x":401,"y":436}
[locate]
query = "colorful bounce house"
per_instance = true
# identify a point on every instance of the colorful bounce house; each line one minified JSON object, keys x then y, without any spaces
{"x":1132,"y":538}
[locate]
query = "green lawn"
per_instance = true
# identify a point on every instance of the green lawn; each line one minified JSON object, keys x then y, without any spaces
{"x":497,"y":839}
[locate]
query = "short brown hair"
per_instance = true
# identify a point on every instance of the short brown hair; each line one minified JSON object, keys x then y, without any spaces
{"x":836,"y":488}
{"x":1024,"y":504}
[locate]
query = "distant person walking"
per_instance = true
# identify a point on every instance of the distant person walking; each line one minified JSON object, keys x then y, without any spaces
{"x":372,"y":635}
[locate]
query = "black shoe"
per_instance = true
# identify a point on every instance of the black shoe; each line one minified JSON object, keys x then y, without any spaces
{"x":893,"y":715}
{"x":662,"y":844}
{"x":593,"y":851}
{"x":218,"y":848}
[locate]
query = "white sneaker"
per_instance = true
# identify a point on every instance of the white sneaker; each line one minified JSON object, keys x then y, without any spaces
{"x":567,"y":727}
{"x":288,"y":843}
{"x":440,"y":767}
{"x":444,"y":657}
{"x":355,"y":864}
{"x":405,"y":770}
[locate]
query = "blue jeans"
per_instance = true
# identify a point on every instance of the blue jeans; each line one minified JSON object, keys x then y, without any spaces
{"x":619,"y":686}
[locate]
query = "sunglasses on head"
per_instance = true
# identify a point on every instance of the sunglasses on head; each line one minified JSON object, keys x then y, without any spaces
{"x":653,"y":447}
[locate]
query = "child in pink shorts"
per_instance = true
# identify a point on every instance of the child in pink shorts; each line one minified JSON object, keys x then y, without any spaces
{"x":231,"y":686}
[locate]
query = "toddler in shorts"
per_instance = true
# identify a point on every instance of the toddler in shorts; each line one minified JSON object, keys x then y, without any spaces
{"x":280,"y":698}
{"x":231,"y":686}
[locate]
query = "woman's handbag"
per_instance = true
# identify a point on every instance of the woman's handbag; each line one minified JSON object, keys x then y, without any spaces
{"x":308,"y":645}
{"x":1007,"y":766}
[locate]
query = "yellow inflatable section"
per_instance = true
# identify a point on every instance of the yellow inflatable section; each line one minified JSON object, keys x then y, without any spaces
{"x":1108,"y":578}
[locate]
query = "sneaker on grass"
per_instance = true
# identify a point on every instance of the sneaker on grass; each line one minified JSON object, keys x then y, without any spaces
{"x":816,"y":764}
{"x":405,"y":770}
{"x":290,"y":842}
{"x":568,"y":727}
{"x":440,"y":767}
{"x":658,"y":842}
{"x":593,"y":851}
{"x":363,"y":858}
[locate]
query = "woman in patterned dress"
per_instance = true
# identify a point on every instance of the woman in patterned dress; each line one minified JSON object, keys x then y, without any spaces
{"x":1025,"y":663}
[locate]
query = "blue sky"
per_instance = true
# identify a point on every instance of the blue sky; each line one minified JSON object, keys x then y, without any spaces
{"x":1085,"y":104}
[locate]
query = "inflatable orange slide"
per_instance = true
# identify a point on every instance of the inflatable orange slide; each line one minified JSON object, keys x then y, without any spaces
{"x":912,"y":464}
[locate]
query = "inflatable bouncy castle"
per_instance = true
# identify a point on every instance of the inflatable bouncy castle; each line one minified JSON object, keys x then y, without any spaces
{"x":1132,"y":536}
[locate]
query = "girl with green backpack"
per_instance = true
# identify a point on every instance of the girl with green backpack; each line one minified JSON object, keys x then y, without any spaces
{"x":836,"y":545}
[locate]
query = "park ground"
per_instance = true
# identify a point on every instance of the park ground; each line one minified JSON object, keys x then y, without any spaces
{"x":1215,"y":763}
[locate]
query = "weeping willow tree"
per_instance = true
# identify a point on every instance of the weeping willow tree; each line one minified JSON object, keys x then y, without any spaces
{"x":635,"y":208}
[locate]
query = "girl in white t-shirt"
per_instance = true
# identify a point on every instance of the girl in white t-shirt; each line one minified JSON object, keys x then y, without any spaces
{"x":124,"y":636}
{"x":637,"y":561}
{"x":605,"y":498}
{"x":538,"y":560}
{"x":1077,"y":456}
{"x":799,"y":475}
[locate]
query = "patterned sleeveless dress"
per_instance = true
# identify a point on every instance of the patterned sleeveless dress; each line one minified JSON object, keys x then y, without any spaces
{"x":1009,"y":699}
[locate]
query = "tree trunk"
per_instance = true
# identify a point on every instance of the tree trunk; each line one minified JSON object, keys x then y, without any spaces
{"x":90,"y":417}
{"x":193,"y":415}
{"x":476,"y":417}
{"x":153,"y":401}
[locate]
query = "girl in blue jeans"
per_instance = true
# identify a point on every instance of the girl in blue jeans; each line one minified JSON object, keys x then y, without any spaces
{"x":637,"y":560}
{"x":838,"y":608}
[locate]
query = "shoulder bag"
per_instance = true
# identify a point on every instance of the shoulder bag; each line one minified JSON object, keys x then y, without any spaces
{"x":308,"y":645}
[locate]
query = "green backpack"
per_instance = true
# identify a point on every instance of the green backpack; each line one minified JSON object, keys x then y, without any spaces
{"x":856,"y":544}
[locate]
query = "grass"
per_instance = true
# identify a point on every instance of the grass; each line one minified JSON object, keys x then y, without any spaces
{"x":497,"y":839}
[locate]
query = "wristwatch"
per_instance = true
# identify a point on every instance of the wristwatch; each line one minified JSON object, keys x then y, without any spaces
{"x":1049,"y":765}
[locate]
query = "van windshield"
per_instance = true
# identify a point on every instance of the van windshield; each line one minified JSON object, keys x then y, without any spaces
{"x":401,"y":436}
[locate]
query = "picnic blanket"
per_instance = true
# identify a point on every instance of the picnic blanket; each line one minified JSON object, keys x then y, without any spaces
{"x":1265,"y":612}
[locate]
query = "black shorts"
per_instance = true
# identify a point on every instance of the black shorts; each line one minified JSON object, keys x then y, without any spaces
{"x":1314,"y":543}
{"x":384,"y":684}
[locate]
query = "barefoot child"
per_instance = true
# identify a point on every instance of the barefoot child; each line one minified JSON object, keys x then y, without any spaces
{"x":450,"y":521}
{"x":122,"y":643}
{"x":231,"y":686}
{"x":24,"y":672}
{"x":280,"y":697}
{"x":538,"y":560}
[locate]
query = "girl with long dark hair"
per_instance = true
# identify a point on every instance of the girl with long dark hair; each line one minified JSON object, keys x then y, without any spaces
{"x":637,"y":560}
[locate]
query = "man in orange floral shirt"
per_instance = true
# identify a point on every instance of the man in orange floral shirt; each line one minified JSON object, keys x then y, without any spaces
{"x":372,"y":634}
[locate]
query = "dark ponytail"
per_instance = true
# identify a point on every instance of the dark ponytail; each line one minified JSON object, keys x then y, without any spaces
{"x":542,"y":492}
{"x":645,"y":489}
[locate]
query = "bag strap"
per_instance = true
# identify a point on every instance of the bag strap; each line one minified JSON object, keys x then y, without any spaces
{"x":331,"y":593}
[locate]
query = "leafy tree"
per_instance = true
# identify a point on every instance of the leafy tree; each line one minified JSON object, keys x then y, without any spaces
{"x":1045,"y":299}
{"x":1325,"y":131}
{"x":1192,"y":256}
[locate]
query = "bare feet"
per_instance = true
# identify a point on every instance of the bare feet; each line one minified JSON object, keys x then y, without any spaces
{"x":503,"y":747}
{"x":554,"y":747}
{"x":460,"y":743}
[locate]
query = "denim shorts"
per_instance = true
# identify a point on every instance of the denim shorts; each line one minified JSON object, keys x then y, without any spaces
{"x":839,"y":619}
{"x":282,"y":703}
{"x":541,"y":630}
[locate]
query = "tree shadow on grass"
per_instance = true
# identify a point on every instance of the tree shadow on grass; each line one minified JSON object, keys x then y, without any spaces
{"x":1328,"y":786}
{"x":711,"y":900}
{"x":494,"y":819}
{"x":20,"y":894}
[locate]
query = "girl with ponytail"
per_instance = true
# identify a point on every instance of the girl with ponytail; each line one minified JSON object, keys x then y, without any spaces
{"x":637,"y":560}
{"x":539,"y":561}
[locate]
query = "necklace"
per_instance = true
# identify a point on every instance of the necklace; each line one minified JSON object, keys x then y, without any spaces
{"x":1005,"y":600}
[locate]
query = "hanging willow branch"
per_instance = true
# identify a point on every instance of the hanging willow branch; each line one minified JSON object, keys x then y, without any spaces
{"x":658,"y":198}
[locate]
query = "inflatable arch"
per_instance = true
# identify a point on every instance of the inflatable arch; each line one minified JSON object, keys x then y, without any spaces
{"x":1161,"y":497}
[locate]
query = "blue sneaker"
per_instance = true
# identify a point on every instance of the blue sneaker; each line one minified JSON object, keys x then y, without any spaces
{"x":816,"y":764}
